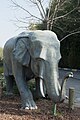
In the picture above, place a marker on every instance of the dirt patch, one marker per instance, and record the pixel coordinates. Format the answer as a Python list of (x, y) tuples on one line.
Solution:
[(10, 110)]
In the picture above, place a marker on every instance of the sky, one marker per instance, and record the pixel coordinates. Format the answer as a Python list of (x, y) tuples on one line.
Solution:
[(7, 16)]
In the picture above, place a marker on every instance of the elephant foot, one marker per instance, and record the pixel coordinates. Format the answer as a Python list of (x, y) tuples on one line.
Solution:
[(29, 105), (9, 94), (29, 108)]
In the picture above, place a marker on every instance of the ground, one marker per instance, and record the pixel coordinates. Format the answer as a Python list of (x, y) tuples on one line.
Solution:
[(10, 110)]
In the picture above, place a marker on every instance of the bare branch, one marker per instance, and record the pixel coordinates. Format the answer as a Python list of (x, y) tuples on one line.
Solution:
[(65, 14), (49, 14), (69, 35), (19, 6), (62, 16), (21, 21), (39, 10), (42, 7), (53, 16), (20, 27), (58, 27), (68, 12), (49, 9), (63, 3), (55, 12)]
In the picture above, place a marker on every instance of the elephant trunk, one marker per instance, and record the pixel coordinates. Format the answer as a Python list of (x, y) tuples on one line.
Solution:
[(53, 87), (48, 74), (56, 91)]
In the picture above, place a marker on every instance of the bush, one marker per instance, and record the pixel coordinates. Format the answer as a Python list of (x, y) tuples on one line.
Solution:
[(1, 70)]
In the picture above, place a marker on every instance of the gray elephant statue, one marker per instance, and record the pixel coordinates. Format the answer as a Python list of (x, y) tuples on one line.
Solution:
[(33, 54)]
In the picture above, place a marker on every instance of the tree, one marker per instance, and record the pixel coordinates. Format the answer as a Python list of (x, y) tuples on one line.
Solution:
[(30, 18), (55, 11), (68, 15), (61, 16), (66, 23), (69, 35)]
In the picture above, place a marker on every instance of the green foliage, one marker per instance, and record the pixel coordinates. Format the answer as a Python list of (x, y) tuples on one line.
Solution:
[(1, 70), (1, 53), (15, 88), (2, 78), (40, 26), (32, 26), (74, 54), (31, 84), (70, 50), (70, 47)]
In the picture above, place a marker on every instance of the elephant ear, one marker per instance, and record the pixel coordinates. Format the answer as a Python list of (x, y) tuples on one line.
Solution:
[(57, 50), (20, 52)]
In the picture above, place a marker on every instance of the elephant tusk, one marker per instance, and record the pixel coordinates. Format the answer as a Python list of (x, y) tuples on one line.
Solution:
[(41, 88)]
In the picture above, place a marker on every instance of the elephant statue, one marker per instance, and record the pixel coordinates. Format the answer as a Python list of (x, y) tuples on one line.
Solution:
[(33, 54)]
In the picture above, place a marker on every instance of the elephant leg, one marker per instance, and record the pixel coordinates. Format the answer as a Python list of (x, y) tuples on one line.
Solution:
[(26, 95), (37, 92), (9, 84)]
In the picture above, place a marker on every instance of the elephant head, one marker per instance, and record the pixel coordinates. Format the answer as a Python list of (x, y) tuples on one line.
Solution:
[(42, 49)]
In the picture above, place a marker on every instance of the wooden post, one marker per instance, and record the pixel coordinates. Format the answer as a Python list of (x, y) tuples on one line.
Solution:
[(1, 89), (54, 109), (71, 98)]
